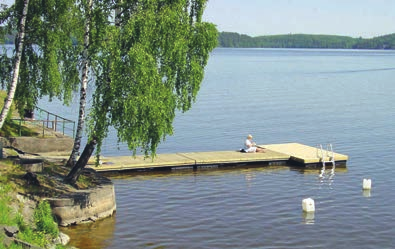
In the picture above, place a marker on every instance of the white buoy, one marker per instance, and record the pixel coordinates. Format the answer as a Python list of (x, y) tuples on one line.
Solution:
[(308, 205), (367, 184)]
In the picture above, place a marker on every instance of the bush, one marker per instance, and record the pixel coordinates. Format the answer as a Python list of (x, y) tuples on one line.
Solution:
[(5, 210), (5, 213), (45, 226), (32, 237), (44, 219)]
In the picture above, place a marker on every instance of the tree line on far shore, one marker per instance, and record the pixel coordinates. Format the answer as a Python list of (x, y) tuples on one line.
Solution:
[(236, 40)]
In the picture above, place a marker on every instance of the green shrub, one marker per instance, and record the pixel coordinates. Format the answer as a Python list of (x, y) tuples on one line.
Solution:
[(45, 226), (5, 210), (20, 222), (5, 213), (12, 246), (44, 219), (32, 237)]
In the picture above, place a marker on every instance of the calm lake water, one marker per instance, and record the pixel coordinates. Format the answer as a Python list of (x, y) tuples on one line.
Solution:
[(343, 97)]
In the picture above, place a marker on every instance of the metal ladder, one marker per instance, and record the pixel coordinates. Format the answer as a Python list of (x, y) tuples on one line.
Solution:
[(331, 159), (329, 153)]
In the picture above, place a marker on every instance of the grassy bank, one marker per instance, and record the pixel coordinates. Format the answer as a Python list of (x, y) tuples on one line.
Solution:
[(35, 223), (38, 229), (22, 204)]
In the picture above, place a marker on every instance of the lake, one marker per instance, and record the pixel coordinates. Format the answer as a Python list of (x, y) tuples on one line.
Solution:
[(343, 97)]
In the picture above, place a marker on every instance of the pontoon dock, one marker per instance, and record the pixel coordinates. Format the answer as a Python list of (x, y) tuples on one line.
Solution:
[(276, 154)]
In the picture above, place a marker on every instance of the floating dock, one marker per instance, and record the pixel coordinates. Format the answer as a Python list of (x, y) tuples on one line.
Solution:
[(275, 154)]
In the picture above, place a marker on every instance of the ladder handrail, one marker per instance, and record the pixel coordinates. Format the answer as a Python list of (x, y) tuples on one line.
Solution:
[(331, 158), (329, 153)]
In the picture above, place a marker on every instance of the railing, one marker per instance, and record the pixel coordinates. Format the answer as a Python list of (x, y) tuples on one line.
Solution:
[(48, 121)]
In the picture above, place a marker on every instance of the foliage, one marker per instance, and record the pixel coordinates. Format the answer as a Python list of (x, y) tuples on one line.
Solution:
[(229, 39), (44, 227), (12, 246), (381, 42), (30, 236), (44, 219), (5, 213), (13, 128), (85, 182), (150, 64), (147, 62), (49, 65)]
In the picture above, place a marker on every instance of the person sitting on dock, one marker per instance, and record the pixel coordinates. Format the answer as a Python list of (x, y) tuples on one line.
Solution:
[(250, 146)]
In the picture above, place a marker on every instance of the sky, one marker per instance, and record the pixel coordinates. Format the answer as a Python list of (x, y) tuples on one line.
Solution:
[(355, 18)]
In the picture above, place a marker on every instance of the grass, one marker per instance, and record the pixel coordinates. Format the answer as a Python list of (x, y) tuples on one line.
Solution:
[(44, 220), (13, 128), (5, 210), (44, 228)]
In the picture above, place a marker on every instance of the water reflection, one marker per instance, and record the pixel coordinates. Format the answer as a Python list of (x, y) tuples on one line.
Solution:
[(250, 177), (326, 176), (314, 171), (366, 193), (308, 218), (92, 235)]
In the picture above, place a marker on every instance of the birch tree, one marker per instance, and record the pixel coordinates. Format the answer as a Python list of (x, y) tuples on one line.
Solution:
[(84, 82), (150, 65), (19, 47), (49, 60)]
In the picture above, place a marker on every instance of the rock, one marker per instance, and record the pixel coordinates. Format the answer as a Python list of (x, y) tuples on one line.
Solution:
[(11, 231), (93, 218), (7, 241), (62, 239), (32, 165), (28, 206)]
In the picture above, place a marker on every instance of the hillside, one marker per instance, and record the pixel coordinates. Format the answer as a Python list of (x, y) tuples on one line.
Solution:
[(230, 39)]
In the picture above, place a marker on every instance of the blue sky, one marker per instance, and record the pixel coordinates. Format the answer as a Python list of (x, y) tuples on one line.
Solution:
[(365, 18)]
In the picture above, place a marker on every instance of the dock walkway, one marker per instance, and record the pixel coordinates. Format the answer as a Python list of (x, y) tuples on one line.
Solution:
[(276, 154)]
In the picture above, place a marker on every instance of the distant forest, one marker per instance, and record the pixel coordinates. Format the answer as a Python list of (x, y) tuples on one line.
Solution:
[(235, 40)]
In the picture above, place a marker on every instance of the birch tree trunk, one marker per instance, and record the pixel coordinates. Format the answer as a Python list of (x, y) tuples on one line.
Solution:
[(76, 171), (84, 82), (19, 49)]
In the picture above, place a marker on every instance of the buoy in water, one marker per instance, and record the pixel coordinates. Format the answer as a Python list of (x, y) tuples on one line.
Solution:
[(308, 205), (367, 184)]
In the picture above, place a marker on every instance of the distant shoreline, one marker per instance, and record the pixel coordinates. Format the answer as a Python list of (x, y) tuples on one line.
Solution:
[(236, 40)]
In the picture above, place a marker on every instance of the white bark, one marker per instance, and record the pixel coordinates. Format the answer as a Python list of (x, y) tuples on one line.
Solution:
[(18, 58), (84, 82)]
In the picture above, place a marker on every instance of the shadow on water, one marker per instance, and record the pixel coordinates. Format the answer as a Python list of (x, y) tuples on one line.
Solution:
[(199, 171), (328, 172)]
